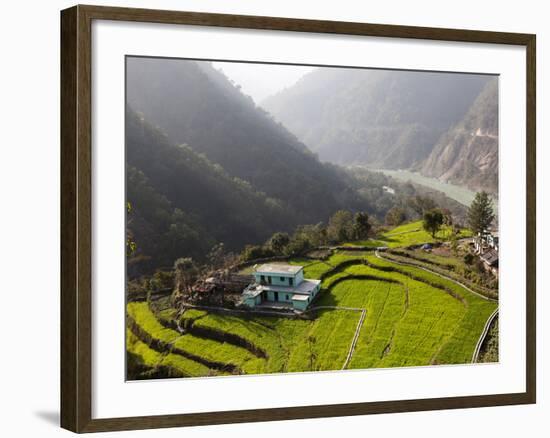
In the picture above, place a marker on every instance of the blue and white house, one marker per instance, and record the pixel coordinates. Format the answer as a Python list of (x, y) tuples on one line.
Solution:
[(281, 285)]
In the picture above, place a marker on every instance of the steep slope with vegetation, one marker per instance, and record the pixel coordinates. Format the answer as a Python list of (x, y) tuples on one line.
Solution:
[(380, 118), (178, 199), (468, 153), (195, 104)]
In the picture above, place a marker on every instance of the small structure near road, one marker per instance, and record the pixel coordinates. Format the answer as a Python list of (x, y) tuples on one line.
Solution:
[(219, 288), (280, 285), (486, 246), (485, 241), (490, 260)]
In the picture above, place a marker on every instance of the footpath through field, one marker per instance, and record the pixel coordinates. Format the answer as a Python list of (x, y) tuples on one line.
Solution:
[(354, 340), (387, 259)]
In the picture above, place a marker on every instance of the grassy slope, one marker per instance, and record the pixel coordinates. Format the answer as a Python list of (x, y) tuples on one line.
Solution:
[(460, 346), (409, 234), (410, 323)]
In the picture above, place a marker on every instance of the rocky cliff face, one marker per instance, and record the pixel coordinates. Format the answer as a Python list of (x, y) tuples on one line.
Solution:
[(468, 153)]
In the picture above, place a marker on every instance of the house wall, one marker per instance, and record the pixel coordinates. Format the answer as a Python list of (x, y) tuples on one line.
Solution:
[(282, 296), (279, 280), (250, 301), (300, 305)]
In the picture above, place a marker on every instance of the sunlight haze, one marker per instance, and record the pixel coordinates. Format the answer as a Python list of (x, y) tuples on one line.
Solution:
[(262, 80)]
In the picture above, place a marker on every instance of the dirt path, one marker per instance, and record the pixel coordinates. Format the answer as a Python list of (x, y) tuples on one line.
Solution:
[(354, 340), (483, 335), (377, 254)]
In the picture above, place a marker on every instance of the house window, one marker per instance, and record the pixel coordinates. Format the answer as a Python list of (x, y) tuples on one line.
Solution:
[(282, 279), (262, 278), (287, 297), (291, 281), (269, 280)]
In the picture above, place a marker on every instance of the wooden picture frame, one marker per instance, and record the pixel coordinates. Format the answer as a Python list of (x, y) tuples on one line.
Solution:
[(76, 217)]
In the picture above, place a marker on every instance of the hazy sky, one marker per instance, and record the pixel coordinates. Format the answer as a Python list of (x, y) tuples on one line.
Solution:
[(261, 80)]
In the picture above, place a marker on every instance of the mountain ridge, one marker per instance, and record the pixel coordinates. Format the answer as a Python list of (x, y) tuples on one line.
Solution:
[(380, 118)]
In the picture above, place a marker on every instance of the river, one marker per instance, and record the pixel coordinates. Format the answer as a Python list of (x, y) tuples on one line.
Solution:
[(458, 193)]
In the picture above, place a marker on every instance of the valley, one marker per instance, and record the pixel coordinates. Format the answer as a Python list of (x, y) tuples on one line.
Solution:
[(311, 231)]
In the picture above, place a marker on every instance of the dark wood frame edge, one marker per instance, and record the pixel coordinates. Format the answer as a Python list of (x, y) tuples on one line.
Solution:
[(76, 342)]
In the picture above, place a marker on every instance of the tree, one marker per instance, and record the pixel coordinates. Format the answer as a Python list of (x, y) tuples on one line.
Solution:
[(216, 256), (432, 221), (454, 244), (298, 246), (315, 234), (186, 274), (395, 216), (253, 252), (469, 259), (447, 216), (480, 213), (421, 204), (278, 242), (361, 226), (340, 226)]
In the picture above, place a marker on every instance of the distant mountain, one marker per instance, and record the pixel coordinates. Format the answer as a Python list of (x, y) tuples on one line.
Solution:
[(468, 153), (195, 104), (379, 118)]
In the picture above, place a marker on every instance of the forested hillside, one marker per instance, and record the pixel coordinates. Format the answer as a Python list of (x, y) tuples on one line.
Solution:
[(380, 118), (182, 204), (468, 153), (195, 104)]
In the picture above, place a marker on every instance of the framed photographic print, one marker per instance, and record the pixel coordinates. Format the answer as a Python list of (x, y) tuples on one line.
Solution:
[(270, 218)]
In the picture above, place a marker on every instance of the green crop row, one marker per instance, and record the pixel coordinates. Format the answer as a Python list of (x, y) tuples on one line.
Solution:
[(205, 348)]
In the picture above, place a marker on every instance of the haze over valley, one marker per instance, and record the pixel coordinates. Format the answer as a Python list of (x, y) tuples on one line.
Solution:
[(199, 149), (442, 125)]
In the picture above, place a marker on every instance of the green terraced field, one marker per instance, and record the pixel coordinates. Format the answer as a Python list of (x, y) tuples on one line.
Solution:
[(313, 269), (413, 318), (154, 359), (409, 234), (206, 348)]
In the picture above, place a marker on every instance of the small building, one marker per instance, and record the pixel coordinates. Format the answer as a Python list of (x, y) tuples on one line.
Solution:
[(492, 240), (485, 241), (490, 260), (280, 285), (486, 246)]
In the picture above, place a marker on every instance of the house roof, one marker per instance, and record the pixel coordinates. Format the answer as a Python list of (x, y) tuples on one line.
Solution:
[(298, 297), (276, 268), (490, 257)]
